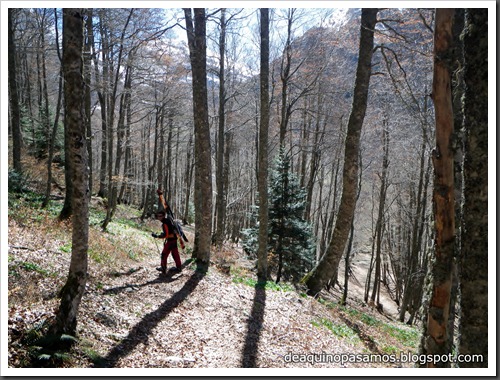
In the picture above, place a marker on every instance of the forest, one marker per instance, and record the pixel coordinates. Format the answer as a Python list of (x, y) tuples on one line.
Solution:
[(341, 154)]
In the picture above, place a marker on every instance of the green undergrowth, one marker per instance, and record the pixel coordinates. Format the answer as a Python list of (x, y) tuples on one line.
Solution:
[(129, 238), (126, 237), (351, 323), (241, 276), (38, 232), (45, 350), (16, 267), (338, 329)]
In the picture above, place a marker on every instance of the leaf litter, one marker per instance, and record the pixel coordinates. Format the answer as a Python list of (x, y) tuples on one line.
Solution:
[(133, 317)]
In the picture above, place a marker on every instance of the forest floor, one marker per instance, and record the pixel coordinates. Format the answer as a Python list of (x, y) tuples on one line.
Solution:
[(131, 316)]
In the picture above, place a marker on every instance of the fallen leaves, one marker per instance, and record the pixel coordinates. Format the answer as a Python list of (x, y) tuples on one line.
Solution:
[(132, 317)]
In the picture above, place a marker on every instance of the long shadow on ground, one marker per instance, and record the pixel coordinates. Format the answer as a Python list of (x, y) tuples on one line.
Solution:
[(255, 322), (168, 277), (365, 338), (141, 331)]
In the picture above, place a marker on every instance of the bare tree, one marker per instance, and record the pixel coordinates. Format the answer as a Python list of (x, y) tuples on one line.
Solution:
[(15, 119), (263, 142), (52, 136), (72, 292), (380, 223), (327, 266), (221, 190), (202, 157)]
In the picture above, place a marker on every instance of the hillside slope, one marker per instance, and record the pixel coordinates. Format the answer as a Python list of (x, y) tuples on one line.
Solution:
[(133, 317)]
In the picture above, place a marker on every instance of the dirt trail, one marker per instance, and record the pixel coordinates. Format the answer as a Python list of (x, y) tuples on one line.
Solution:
[(195, 320), (359, 267), (133, 317)]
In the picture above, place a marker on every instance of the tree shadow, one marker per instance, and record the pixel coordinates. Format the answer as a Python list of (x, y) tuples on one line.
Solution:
[(162, 278), (141, 331), (255, 322), (115, 273), (367, 340)]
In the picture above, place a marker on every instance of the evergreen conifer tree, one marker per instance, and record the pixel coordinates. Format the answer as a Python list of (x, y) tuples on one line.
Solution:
[(290, 238)]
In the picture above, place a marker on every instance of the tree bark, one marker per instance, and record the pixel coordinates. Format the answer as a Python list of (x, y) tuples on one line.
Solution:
[(263, 148), (72, 292), (285, 76), (347, 269), (103, 96), (379, 229), (221, 191), (56, 121), (188, 175), (474, 254), (87, 67), (203, 162), (416, 234), (14, 99), (437, 335), (317, 279)]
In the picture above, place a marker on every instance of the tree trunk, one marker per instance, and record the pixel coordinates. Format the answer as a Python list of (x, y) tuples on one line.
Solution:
[(381, 218), (169, 172), (203, 161), (263, 146), (436, 335), (188, 175), (87, 66), (14, 99), (458, 93), (128, 152), (102, 94), (228, 141), (45, 116), (220, 197), (285, 76), (72, 292), (160, 138), (416, 235), (56, 122), (148, 190), (315, 158), (347, 269), (328, 265), (474, 255)]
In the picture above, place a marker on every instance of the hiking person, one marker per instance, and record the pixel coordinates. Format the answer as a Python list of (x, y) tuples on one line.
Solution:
[(170, 244)]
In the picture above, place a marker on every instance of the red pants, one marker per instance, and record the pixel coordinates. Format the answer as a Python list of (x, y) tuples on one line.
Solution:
[(170, 246)]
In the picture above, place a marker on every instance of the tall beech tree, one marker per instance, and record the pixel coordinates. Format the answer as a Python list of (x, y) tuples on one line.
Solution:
[(263, 142), (327, 266), (15, 113), (72, 292), (52, 136), (220, 203), (196, 34)]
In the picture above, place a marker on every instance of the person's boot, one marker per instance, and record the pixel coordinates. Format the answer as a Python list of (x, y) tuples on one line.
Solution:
[(162, 269)]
